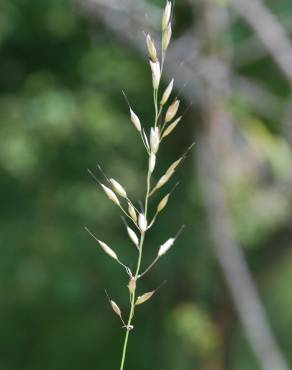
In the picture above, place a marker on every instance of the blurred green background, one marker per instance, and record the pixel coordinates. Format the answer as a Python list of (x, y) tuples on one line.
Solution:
[(61, 112)]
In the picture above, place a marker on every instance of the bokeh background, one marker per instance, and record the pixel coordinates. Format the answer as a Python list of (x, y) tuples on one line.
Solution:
[(63, 65)]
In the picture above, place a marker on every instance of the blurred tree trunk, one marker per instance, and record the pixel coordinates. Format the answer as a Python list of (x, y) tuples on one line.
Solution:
[(214, 140)]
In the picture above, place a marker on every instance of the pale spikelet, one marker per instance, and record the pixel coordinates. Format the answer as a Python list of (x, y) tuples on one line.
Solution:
[(132, 285), (167, 93), (151, 48), (163, 179), (135, 120), (170, 171), (144, 297), (166, 37), (152, 162), (108, 250), (156, 73), (111, 195), (133, 236), (172, 110), (132, 212), (165, 247), (154, 139), (163, 203), (166, 15), (173, 166), (118, 188), (171, 127), (142, 222), (116, 308), (104, 246)]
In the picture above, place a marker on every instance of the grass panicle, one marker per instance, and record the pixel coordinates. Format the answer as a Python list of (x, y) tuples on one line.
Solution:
[(164, 123)]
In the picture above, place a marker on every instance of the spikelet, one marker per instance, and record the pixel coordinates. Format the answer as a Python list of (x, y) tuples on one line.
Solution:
[(171, 127), (152, 162), (108, 250), (118, 188), (135, 120), (133, 236), (132, 212), (174, 165), (110, 194), (156, 73), (172, 110), (162, 204), (166, 37), (116, 308), (104, 246), (165, 247), (163, 180), (167, 93), (166, 15), (142, 222), (170, 171), (154, 139), (144, 297), (151, 49), (132, 285)]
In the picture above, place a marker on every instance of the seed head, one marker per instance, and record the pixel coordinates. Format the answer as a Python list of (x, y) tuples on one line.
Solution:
[(163, 179), (152, 162), (170, 171), (167, 93), (151, 49), (135, 120), (166, 37), (118, 188), (172, 110), (142, 222), (111, 195), (108, 250), (163, 203), (132, 285), (154, 139), (173, 166), (165, 247), (166, 15), (171, 127), (132, 212), (116, 308), (104, 246), (156, 73), (144, 297), (133, 236)]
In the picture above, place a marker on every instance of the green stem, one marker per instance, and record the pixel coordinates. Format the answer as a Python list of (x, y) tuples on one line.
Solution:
[(133, 295)]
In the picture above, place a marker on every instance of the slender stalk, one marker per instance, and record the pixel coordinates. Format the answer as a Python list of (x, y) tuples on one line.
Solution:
[(149, 267), (142, 239), (133, 295), (155, 94)]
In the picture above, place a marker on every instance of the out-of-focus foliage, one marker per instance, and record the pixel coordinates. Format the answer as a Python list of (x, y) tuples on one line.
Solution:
[(193, 330), (62, 111), (257, 177)]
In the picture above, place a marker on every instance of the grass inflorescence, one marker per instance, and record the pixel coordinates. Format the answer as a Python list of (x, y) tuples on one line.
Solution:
[(139, 222)]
